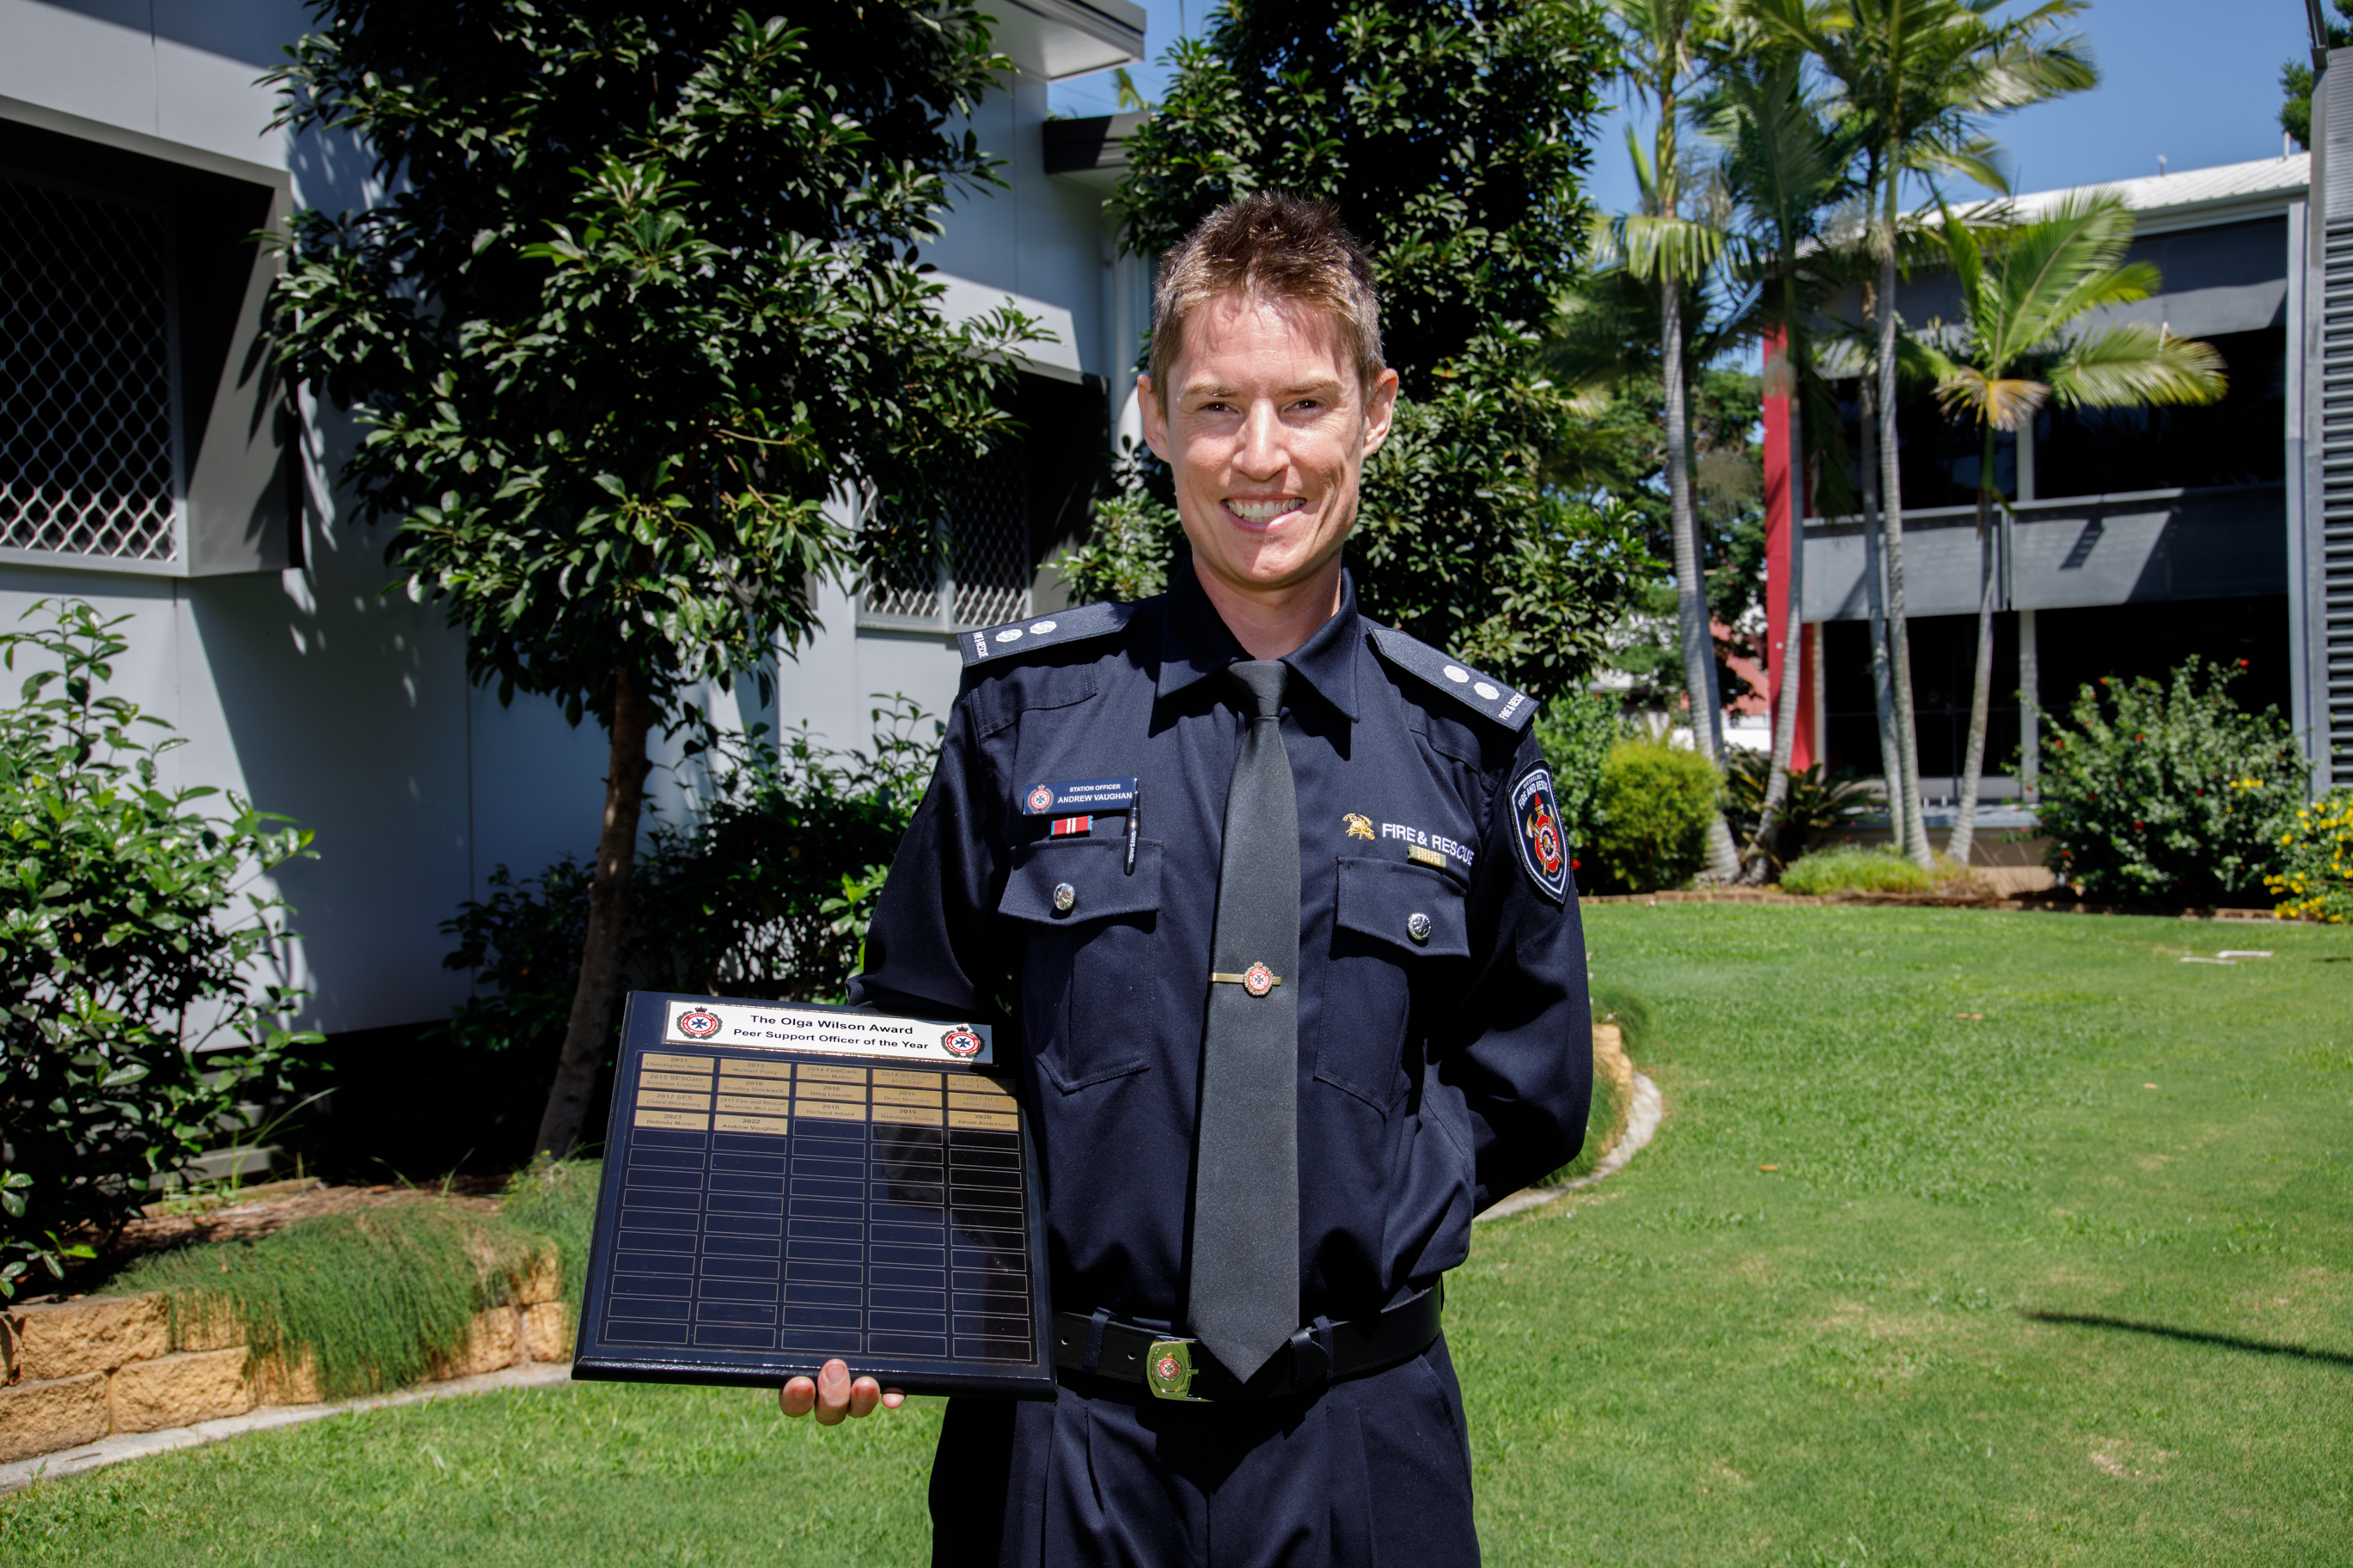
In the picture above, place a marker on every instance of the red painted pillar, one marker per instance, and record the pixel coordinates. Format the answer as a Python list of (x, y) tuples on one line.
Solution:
[(1806, 749)]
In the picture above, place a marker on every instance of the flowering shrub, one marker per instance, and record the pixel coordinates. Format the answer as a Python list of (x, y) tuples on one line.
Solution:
[(2316, 881), (2170, 792)]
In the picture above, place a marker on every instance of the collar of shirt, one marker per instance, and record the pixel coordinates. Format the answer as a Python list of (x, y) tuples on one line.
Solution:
[(1195, 642)]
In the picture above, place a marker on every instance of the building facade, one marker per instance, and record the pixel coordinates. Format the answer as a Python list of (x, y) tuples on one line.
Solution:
[(152, 464), (2134, 538)]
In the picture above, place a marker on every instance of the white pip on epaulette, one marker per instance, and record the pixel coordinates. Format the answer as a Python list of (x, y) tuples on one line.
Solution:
[(1042, 631), (1483, 694)]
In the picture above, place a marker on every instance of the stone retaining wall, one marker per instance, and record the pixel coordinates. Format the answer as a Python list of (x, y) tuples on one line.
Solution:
[(77, 1371)]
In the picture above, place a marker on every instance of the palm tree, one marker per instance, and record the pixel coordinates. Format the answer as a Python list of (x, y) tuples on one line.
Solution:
[(1786, 163), (1919, 78), (1666, 49), (2024, 291)]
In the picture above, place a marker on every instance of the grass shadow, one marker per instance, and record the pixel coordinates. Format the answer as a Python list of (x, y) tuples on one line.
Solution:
[(2192, 1336)]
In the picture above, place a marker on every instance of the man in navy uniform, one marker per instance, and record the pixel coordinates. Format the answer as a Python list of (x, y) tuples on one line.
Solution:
[(1271, 905)]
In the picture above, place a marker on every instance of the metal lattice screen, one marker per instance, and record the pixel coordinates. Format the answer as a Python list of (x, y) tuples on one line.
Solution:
[(989, 574), (86, 459)]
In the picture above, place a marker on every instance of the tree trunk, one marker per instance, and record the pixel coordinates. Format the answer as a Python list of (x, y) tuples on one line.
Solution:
[(1874, 587), (608, 910), (1762, 851), (1965, 823), (1691, 586), (1914, 836)]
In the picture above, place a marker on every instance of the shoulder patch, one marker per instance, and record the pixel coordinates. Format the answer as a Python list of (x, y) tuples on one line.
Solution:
[(1536, 832), (1483, 694), (1073, 625)]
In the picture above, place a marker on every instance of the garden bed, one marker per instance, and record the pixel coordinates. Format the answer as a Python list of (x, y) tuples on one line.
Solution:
[(296, 1296)]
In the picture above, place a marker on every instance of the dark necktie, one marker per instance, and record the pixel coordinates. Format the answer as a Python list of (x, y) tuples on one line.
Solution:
[(1244, 1287)]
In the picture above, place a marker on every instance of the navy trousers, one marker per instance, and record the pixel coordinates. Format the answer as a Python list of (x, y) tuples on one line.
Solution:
[(1373, 1471)]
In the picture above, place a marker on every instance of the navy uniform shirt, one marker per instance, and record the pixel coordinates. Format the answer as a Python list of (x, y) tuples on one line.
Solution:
[(1435, 1075)]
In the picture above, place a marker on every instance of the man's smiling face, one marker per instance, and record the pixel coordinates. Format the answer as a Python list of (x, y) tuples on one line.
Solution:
[(1267, 430)]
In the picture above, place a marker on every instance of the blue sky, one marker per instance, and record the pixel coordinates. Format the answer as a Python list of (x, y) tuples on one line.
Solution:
[(2195, 80)]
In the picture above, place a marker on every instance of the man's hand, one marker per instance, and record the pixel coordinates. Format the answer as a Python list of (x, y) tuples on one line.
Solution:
[(833, 1396)]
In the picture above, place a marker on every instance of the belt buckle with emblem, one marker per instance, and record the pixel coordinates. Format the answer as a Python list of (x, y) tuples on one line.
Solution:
[(1168, 1370)]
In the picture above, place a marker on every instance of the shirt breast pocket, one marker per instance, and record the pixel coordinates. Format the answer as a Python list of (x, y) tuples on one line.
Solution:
[(1087, 989), (1395, 928)]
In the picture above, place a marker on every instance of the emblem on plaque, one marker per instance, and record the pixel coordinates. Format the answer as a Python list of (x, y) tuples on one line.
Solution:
[(1359, 825), (1258, 980), (961, 1043), (699, 1024)]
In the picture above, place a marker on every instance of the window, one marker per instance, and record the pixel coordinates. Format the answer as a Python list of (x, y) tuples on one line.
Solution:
[(2239, 440), (981, 576), (90, 461)]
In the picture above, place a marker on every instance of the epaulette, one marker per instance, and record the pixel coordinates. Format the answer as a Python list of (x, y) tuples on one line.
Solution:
[(1073, 625), (1483, 694)]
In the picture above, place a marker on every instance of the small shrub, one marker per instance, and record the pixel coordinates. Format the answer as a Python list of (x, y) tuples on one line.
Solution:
[(131, 938), (1577, 730), (2170, 792), (2315, 881), (1128, 553), (1655, 802), (765, 893), (1852, 869), (1815, 806)]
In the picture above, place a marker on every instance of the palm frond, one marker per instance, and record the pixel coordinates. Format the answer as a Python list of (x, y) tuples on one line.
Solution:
[(1978, 158), (1667, 247), (2133, 363)]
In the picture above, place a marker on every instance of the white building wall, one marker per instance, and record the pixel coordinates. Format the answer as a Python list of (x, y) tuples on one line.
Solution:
[(312, 692)]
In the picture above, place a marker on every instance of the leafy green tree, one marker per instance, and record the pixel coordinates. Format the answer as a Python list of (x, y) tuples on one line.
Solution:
[(1452, 134), (134, 1017), (2024, 294), (1577, 731), (645, 295), (1453, 138), (1917, 81), (1665, 44), (1603, 346), (1786, 161), (2296, 80)]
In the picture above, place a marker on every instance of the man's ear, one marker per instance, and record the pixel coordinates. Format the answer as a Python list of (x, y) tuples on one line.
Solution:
[(1155, 419), (1380, 410)]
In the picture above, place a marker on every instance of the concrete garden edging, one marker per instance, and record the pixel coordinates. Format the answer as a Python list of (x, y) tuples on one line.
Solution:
[(1645, 1109), (120, 1446)]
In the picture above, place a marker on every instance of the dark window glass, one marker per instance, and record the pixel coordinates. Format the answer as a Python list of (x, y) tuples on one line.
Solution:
[(2240, 440)]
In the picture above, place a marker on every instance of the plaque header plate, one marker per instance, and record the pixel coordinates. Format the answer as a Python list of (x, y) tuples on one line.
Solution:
[(781, 1026)]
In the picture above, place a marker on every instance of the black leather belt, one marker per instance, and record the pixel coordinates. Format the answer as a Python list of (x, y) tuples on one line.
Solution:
[(1175, 1367)]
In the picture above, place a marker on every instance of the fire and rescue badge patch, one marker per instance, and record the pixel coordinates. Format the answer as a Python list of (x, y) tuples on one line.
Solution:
[(699, 1024), (961, 1043), (1536, 814)]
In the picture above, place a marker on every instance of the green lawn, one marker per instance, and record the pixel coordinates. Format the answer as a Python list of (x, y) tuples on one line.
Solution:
[(1999, 1302)]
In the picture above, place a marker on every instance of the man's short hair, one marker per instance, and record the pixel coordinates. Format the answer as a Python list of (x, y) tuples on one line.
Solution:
[(1282, 250)]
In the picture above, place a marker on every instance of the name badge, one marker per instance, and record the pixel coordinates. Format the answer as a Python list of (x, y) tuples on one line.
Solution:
[(1079, 795)]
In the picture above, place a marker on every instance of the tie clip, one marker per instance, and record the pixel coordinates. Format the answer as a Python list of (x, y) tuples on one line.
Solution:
[(1258, 979)]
